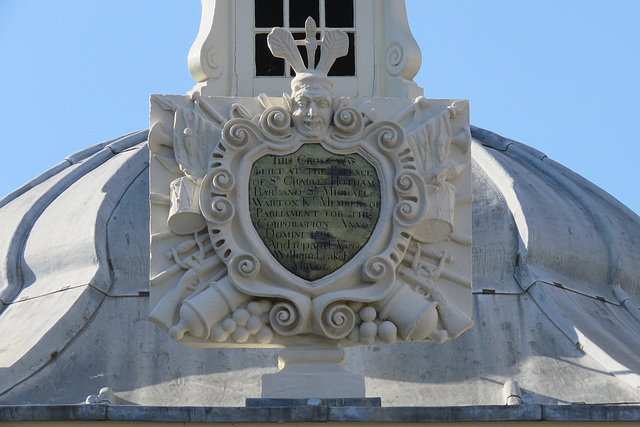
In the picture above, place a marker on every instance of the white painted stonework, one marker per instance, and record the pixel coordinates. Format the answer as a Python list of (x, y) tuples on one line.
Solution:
[(217, 281), (387, 59)]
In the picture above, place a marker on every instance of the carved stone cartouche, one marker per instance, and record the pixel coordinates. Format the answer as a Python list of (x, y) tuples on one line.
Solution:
[(322, 218)]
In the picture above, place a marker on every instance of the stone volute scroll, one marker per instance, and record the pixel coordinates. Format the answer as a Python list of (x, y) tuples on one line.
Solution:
[(310, 219)]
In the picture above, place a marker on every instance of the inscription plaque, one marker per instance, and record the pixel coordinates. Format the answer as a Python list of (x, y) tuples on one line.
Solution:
[(314, 210)]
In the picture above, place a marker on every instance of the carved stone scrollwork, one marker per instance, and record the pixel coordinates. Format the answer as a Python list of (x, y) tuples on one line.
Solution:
[(375, 269), (337, 320), (237, 133), (275, 124), (362, 155), (388, 135), (412, 208), (214, 65), (348, 123), (219, 210), (246, 265), (210, 57), (394, 59), (401, 53), (285, 318), (318, 222)]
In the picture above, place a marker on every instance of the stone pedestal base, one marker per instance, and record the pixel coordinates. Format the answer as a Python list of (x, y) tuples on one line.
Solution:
[(312, 373)]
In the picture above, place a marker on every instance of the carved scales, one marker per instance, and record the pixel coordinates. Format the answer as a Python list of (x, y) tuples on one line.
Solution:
[(309, 218)]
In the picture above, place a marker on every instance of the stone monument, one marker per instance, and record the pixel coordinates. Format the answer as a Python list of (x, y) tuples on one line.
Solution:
[(309, 221), (303, 222)]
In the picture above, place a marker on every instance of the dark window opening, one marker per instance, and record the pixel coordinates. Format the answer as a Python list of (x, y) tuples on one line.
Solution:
[(266, 63), (346, 66), (300, 10), (339, 13), (268, 13), (272, 13)]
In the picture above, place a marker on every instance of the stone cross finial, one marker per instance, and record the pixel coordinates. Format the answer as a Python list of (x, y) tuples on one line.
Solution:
[(310, 42), (334, 45)]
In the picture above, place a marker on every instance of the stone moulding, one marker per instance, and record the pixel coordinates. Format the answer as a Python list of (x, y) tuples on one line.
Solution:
[(221, 285), (541, 414)]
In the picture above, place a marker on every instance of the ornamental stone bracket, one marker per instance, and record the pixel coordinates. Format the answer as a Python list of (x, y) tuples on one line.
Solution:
[(309, 219)]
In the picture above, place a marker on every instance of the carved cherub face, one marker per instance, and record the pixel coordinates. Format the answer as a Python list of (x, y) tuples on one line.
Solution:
[(312, 109)]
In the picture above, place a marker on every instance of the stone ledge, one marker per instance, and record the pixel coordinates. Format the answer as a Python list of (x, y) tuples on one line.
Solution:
[(371, 402), (591, 412), (303, 414)]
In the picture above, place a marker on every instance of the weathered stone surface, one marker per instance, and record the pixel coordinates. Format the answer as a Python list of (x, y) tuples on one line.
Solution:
[(63, 263), (329, 413), (374, 402)]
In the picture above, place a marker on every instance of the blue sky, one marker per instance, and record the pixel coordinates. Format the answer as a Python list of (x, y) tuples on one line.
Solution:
[(562, 76)]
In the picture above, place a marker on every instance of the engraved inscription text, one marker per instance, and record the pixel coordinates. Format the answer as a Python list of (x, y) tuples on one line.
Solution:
[(314, 210)]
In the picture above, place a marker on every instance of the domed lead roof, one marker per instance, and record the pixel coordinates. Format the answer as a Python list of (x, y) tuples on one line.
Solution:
[(555, 276)]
